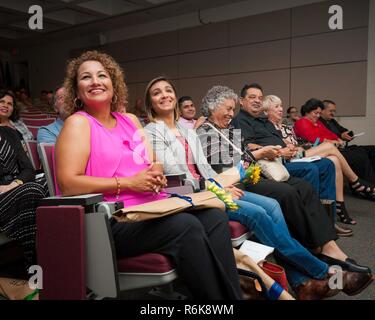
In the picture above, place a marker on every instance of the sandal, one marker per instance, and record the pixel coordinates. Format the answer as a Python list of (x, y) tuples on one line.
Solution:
[(343, 214), (363, 188), (270, 294)]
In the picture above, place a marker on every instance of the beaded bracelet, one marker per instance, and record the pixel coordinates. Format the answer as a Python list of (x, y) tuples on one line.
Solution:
[(118, 187)]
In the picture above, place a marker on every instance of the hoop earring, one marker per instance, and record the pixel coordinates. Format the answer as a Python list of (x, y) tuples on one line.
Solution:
[(114, 102), (80, 106)]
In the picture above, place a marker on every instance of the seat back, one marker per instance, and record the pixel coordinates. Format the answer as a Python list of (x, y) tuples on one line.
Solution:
[(33, 130), (25, 116), (31, 112), (38, 122), (33, 152), (46, 153)]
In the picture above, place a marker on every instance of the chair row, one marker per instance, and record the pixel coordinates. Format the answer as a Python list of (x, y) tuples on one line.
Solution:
[(37, 116), (76, 243), (38, 122)]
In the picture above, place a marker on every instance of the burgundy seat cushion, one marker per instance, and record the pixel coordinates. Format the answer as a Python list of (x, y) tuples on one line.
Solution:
[(149, 263), (237, 229)]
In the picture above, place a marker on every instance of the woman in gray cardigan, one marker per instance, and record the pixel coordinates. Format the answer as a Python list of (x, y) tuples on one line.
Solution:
[(180, 151)]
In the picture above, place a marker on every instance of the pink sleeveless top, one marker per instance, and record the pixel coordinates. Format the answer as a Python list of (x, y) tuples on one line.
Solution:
[(118, 152)]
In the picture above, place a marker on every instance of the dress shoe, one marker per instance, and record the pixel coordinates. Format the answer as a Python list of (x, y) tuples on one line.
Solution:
[(342, 231), (315, 290), (348, 265), (355, 282)]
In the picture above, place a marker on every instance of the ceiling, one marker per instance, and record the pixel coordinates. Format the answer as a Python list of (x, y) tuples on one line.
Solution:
[(61, 18)]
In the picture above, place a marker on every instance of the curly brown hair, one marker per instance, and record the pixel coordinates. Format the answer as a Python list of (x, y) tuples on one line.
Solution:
[(110, 65)]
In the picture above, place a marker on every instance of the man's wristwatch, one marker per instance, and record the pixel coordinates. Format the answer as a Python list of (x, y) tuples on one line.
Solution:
[(18, 181)]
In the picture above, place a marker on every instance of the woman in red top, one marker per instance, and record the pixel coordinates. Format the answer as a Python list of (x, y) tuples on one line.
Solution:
[(311, 129)]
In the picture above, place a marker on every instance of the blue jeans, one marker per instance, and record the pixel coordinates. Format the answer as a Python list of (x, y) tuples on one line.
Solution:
[(321, 174), (264, 217)]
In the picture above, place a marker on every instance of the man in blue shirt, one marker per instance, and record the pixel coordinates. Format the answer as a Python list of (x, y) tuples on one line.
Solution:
[(49, 134)]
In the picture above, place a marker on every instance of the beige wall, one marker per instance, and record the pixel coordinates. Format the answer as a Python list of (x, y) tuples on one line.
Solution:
[(48, 62), (366, 123), (292, 53)]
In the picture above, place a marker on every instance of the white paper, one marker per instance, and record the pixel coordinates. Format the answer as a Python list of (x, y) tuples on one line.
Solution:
[(358, 134), (307, 159), (255, 250)]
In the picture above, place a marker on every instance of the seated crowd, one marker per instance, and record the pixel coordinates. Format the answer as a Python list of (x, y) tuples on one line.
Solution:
[(101, 148)]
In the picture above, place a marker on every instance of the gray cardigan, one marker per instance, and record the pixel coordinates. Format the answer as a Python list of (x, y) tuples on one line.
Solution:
[(172, 154)]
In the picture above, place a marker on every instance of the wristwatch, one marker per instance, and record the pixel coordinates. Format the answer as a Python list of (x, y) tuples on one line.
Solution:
[(18, 181)]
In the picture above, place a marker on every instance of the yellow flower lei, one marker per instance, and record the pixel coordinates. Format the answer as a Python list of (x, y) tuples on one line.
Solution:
[(224, 196)]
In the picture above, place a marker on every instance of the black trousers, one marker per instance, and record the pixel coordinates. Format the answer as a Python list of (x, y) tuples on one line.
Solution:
[(370, 150), (305, 216), (199, 243), (362, 160)]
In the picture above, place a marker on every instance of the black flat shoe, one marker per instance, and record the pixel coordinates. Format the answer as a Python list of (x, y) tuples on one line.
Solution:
[(348, 265)]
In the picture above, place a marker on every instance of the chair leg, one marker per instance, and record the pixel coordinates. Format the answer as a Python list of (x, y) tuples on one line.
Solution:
[(167, 292)]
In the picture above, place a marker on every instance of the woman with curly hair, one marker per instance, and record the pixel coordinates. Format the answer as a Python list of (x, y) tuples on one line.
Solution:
[(101, 150)]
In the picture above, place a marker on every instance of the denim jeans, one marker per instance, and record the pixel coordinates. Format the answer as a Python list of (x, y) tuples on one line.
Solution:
[(321, 174), (264, 217)]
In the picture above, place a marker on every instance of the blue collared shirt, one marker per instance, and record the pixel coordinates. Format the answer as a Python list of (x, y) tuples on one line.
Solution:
[(49, 134)]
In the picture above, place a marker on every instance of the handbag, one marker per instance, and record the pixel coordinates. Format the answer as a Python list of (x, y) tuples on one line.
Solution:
[(274, 170), (276, 272), (269, 288), (172, 205)]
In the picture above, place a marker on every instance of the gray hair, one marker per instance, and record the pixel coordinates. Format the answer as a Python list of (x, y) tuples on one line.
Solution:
[(215, 97), (269, 101)]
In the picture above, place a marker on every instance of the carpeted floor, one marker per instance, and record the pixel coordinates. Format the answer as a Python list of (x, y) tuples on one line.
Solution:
[(361, 246)]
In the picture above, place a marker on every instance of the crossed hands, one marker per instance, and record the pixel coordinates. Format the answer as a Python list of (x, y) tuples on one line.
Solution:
[(289, 152), (151, 179)]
